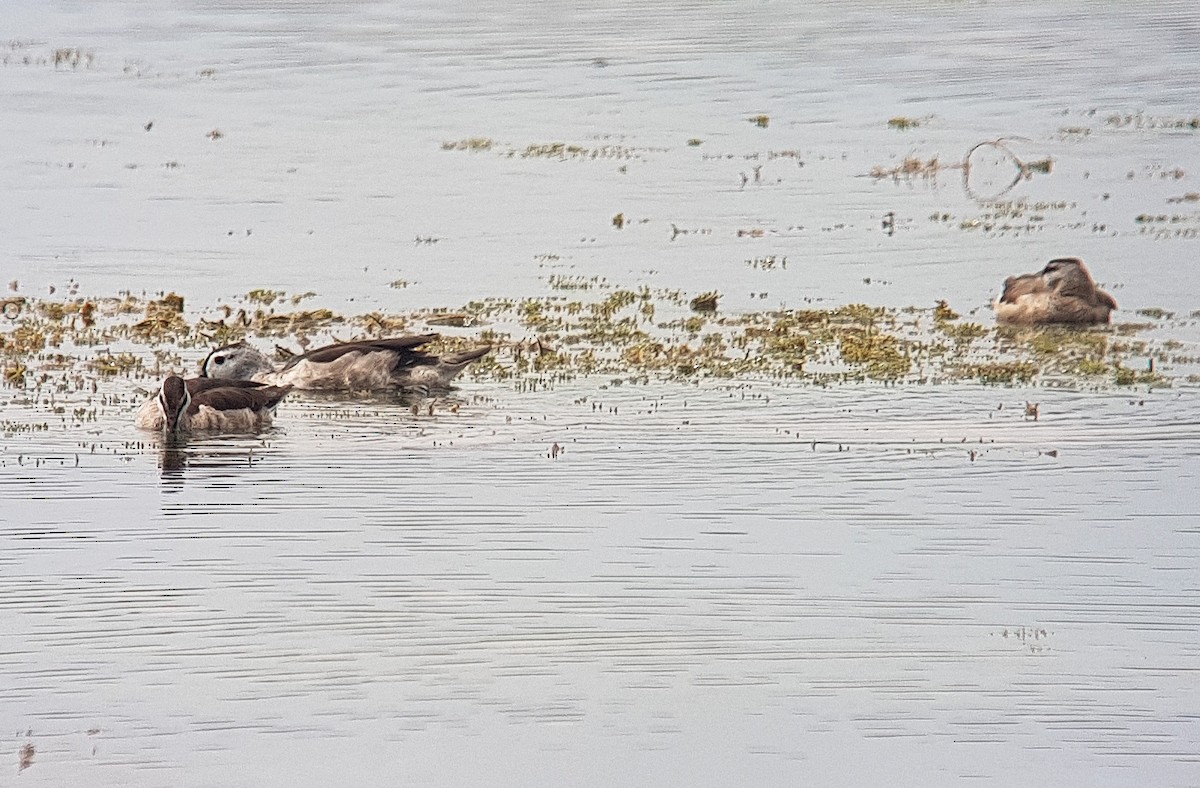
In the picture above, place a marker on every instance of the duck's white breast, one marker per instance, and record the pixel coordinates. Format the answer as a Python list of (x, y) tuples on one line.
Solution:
[(149, 415), (1030, 308)]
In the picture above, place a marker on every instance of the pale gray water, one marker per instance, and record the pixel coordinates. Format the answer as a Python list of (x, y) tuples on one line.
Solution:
[(745, 583)]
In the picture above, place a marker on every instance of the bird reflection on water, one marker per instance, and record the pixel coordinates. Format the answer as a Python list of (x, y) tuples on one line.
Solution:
[(177, 456)]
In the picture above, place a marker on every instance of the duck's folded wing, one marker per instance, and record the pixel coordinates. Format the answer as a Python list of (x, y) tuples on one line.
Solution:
[(1016, 287), (197, 385), (329, 353), (225, 398)]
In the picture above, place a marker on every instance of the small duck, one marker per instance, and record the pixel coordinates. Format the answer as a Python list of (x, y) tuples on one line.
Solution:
[(210, 405), (1062, 292), (365, 365)]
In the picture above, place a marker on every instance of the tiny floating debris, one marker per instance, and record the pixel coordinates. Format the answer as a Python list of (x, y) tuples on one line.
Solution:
[(470, 144), (454, 319), (26, 758), (705, 302), (903, 123)]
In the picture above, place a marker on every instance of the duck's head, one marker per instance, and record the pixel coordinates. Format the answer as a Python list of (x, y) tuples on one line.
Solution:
[(173, 400), (238, 361), (1068, 275)]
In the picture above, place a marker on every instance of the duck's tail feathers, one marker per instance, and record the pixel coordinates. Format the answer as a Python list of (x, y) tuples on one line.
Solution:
[(425, 379), (461, 360)]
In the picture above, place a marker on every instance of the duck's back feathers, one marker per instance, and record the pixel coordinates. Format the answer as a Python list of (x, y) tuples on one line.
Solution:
[(255, 398), (405, 349), (197, 385), (1017, 287)]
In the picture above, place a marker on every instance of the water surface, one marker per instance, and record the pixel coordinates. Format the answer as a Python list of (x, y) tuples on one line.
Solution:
[(742, 581)]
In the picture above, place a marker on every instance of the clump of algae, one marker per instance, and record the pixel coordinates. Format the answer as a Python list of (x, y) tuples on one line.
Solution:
[(617, 332)]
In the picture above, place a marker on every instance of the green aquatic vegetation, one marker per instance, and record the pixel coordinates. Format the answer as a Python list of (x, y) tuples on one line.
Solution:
[(264, 296), (562, 282), (1055, 341), (563, 151), (903, 123), (942, 312), (164, 318), (23, 340), (455, 319), (627, 334), (553, 150), (912, 167), (115, 364), (643, 354), (1141, 120), (1155, 313), (533, 316), (380, 324), (1007, 372), (614, 303), (880, 355), (1091, 366), (278, 323), (858, 313), (474, 144), (14, 373), (964, 333), (1126, 376), (218, 332)]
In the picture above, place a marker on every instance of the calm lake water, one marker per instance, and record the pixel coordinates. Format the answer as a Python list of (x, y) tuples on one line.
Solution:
[(746, 582)]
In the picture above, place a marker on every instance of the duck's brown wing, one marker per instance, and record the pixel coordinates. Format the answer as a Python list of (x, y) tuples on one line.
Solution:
[(404, 346), (238, 398), (1016, 287), (197, 385)]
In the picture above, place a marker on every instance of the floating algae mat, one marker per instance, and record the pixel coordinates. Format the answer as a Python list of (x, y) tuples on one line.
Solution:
[(611, 333)]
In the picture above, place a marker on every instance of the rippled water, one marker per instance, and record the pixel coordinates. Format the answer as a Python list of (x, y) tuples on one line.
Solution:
[(740, 583)]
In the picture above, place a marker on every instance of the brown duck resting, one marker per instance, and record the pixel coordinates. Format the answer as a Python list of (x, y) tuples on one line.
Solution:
[(1062, 292)]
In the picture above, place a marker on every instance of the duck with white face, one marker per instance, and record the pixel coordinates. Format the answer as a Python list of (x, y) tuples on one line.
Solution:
[(199, 404), (1062, 292), (397, 363)]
